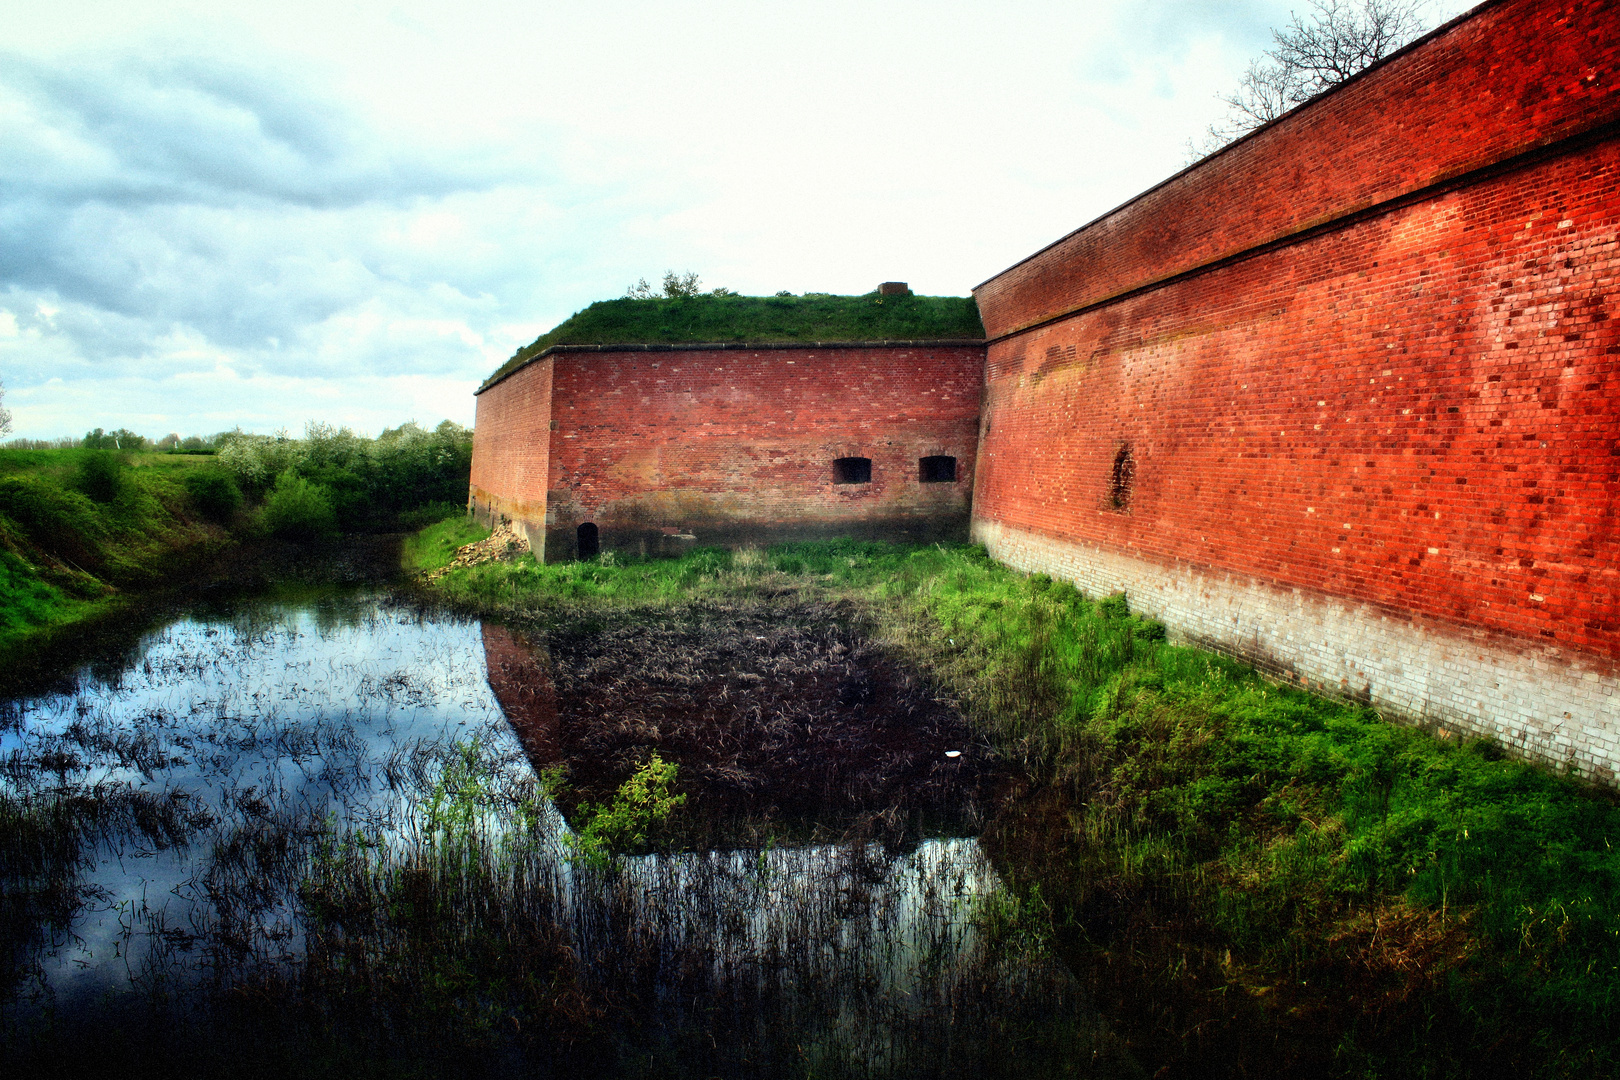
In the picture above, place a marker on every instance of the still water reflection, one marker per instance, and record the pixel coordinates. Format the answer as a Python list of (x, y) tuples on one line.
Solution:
[(178, 808), (275, 717)]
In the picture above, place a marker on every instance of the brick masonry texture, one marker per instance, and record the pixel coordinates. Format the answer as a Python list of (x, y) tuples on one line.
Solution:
[(1375, 447), (1342, 400), (664, 448), (511, 463)]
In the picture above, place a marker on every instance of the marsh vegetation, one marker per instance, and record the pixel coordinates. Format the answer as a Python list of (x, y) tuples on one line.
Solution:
[(787, 723), (1247, 877), (83, 529), (823, 810), (300, 836)]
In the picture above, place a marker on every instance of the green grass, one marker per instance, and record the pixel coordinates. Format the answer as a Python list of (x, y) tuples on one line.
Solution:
[(808, 318), (77, 528), (436, 545), (81, 529), (1448, 904)]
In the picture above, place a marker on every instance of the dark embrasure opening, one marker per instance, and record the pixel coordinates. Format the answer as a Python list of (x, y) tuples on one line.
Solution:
[(852, 470), (939, 469), (1119, 485)]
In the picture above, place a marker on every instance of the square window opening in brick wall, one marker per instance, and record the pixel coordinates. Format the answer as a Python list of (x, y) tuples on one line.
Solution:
[(852, 470), (939, 469)]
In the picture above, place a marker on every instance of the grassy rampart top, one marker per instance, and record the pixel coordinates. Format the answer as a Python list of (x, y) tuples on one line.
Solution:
[(813, 317)]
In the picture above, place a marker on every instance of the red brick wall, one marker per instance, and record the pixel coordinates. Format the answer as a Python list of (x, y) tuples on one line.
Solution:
[(736, 444), (1420, 411), (1517, 75), (512, 448)]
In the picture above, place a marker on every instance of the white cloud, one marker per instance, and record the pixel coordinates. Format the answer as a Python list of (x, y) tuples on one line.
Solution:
[(259, 215)]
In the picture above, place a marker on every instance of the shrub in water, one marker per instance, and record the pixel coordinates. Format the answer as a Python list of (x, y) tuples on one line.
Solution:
[(298, 510), (642, 804), (102, 475), (214, 493)]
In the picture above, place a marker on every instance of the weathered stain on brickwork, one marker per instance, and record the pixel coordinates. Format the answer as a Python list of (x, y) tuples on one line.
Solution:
[(1366, 367), (661, 449), (511, 462), (1547, 703)]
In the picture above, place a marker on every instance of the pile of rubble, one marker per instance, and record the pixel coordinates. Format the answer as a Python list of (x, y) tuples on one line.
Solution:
[(504, 543)]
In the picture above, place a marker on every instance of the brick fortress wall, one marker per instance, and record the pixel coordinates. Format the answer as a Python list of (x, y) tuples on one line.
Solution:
[(1344, 399), (662, 447), (511, 461)]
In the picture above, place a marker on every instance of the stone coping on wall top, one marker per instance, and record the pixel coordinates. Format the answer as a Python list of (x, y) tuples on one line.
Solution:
[(734, 346)]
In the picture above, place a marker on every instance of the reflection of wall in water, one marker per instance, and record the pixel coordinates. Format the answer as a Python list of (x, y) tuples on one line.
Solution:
[(306, 721)]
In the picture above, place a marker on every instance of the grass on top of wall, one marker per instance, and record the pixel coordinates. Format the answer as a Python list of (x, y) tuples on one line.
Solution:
[(1441, 907), (808, 318)]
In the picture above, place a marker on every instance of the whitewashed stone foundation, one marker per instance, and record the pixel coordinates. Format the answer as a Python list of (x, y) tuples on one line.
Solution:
[(1545, 703)]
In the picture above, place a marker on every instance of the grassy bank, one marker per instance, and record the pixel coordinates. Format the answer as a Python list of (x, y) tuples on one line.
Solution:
[(83, 527), (78, 528), (1260, 880), (437, 544)]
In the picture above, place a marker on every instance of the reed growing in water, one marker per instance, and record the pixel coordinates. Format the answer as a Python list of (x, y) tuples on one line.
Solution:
[(300, 839)]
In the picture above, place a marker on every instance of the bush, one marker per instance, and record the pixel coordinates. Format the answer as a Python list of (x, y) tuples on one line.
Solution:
[(45, 511), (122, 439), (102, 475), (368, 482), (256, 460), (298, 510), (214, 493), (628, 824)]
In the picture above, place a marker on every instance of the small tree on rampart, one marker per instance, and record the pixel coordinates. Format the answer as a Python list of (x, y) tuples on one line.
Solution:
[(676, 287)]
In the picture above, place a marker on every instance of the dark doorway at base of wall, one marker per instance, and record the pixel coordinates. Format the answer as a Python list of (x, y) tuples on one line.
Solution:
[(590, 544)]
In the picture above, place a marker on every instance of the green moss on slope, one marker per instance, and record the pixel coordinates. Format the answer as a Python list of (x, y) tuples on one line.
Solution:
[(765, 319)]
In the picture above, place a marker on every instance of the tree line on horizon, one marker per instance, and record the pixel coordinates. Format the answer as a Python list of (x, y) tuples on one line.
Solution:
[(331, 480)]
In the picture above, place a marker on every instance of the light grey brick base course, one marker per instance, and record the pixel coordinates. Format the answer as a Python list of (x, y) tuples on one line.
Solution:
[(1543, 702)]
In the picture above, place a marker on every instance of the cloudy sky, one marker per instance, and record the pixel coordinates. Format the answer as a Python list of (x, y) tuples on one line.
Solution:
[(352, 212)]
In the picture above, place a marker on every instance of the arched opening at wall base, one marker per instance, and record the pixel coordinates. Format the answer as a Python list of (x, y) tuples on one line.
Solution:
[(588, 541)]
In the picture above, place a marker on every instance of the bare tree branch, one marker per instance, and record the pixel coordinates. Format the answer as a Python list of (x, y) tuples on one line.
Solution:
[(1343, 38), (1308, 57)]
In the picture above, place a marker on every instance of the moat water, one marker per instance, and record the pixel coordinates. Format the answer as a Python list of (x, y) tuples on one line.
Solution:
[(174, 806)]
